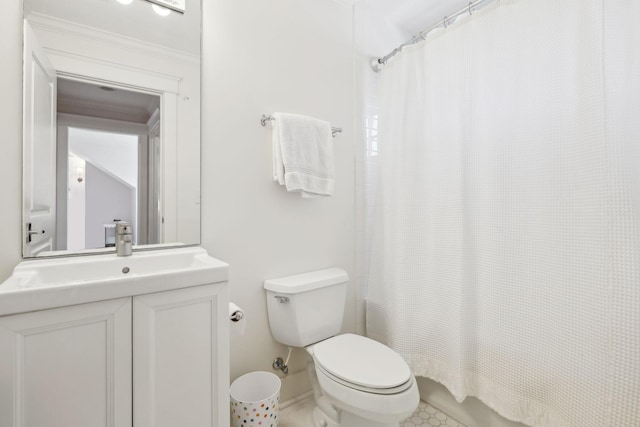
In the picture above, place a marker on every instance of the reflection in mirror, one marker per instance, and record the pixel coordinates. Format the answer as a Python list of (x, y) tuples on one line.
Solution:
[(111, 124), (108, 158)]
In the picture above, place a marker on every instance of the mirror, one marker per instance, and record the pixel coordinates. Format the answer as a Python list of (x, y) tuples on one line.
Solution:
[(111, 124)]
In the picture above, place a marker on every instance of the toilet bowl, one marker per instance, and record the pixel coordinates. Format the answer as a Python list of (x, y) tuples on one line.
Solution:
[(357, 382), (368, 382)]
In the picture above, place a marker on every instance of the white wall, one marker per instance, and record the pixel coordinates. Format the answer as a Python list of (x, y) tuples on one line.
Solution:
[(11, 125), (261, 57), (115, 153)]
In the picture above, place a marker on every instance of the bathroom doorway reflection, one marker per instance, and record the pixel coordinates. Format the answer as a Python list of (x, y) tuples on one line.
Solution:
[(108, 165), (102, 186)]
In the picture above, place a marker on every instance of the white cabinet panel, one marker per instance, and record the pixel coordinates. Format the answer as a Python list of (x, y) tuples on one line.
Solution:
[(76, 366), (180, 370), (67, 367)]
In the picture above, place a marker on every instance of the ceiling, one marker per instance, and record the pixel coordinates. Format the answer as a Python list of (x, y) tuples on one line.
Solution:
[(182, 32), (414, 16), (108, 103), (136, 20)]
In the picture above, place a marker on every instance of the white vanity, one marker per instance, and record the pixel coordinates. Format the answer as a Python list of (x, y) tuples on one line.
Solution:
[(115, 341)]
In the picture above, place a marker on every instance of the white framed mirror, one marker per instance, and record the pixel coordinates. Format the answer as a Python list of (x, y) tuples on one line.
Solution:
[(111, 124)]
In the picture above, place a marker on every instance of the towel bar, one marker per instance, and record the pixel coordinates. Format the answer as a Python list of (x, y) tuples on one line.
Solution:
[(266, 117)]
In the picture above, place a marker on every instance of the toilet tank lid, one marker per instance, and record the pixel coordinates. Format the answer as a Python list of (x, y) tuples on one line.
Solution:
[(306, 281)]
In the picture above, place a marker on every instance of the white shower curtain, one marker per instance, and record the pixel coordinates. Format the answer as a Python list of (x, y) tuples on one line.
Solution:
[(506, 248)]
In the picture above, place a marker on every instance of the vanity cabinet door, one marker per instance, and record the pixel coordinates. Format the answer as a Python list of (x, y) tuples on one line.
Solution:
[(67, 367), (180, 358)]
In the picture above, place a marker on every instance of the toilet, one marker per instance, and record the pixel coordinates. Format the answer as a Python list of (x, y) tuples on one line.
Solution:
[(357, 382)]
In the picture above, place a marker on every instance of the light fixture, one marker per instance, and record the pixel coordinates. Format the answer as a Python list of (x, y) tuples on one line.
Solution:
[(162, 11), (164, 7), (125, 1)]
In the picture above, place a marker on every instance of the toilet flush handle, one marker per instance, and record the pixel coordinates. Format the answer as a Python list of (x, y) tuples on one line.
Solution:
[(282, 299)]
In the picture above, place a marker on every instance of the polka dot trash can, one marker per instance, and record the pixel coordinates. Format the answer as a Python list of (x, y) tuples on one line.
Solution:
[(255, 398)]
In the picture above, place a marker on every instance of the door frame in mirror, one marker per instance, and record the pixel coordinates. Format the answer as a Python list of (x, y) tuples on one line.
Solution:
[(64, 181)]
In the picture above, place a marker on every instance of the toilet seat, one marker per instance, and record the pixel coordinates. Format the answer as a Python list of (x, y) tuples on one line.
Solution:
[(362, 364), (392, 390)]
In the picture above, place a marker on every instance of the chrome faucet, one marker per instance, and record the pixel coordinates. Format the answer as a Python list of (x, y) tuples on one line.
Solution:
[(124, 238)]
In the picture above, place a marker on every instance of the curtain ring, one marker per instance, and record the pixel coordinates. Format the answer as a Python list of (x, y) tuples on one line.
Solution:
[(446, 22), (470, 8)]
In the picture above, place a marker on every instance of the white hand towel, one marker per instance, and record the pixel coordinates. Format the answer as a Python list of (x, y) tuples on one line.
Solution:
[(303, 154)]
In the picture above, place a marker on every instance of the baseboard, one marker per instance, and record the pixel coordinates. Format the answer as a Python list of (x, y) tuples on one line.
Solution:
[(293, 401)]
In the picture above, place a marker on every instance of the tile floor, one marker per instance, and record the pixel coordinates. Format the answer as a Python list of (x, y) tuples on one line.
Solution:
[(426, 415), (299, 415)]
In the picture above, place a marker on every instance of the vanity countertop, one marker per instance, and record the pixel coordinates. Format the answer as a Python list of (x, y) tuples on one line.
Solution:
[(56, 282)]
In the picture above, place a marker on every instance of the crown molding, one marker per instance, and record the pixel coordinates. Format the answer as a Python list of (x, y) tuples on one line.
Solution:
[(50, 24)]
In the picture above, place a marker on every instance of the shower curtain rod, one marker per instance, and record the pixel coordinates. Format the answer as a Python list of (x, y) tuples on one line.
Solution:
[(378, 63)]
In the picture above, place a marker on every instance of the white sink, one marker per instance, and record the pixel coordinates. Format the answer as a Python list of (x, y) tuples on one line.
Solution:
[(57, 282)]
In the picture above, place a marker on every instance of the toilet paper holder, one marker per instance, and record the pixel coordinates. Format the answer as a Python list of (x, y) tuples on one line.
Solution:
[(236, 316)]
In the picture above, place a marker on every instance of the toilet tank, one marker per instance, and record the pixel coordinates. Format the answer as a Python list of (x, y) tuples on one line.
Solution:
[(306, 308)]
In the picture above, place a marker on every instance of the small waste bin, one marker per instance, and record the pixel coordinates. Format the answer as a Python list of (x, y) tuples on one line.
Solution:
[(255, 398)]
